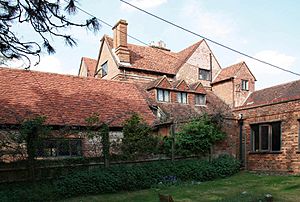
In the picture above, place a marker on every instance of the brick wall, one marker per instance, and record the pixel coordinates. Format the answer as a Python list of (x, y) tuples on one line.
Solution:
[(224, 91), (241, 95), (288, 159), (199, 59), (230, 91)]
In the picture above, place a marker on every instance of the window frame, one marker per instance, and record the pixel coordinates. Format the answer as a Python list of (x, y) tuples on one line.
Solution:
[(105, 64), (270, 137), (199, 104), (208, 75), (163, 95), (55, 150), (245, 85), (180, 97)]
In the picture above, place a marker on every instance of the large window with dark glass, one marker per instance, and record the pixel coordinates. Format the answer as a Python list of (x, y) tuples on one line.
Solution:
[(182, 97), (266, 137), (245, 85), (204, 74), (163, 95), (59, 147), (200, 99), (104, 68)]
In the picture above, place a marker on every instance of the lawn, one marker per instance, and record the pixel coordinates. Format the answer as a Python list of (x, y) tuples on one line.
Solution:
[(243, 186)]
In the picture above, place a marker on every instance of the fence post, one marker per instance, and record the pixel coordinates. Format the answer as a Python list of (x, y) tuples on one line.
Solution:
[(105, 143), (173, 142)]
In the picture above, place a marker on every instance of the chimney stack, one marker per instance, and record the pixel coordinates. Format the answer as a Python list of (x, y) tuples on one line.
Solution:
[(120, 41)]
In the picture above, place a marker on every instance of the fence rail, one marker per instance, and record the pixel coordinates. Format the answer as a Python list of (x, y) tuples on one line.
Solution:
[(21, 173)]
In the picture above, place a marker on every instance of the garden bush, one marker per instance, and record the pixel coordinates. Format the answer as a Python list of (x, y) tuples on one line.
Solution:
[(120, 178)]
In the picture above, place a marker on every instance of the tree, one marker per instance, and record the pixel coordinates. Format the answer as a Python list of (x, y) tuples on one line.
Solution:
[(32, 131), (99, 132), (47, 18), (138, 139), (197, 136)]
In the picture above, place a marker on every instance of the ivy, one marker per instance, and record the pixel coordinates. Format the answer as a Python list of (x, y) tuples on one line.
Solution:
[(197, 136), (98, 130), (138, 139)]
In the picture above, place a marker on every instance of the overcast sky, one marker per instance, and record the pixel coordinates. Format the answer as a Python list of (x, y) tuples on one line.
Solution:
[(266, 29)]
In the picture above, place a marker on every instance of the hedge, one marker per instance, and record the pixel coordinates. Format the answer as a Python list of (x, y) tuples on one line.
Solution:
[(120, 178)]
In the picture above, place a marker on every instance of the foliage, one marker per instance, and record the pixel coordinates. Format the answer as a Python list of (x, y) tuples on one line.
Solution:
[(104, 131), (119, 178), (242, 187), (138, 139), (47, 18), (32, 131), (197, 136), (99, 131)]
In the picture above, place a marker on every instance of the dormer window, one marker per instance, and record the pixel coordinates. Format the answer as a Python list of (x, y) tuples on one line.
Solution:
[(163, 95), (200, 99), (182, 97), (104, 69), (204, 74), (245, 85)]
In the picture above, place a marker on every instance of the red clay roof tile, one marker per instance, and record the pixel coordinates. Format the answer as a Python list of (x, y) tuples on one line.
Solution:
[(90, 65), (156, 60), (67, 100), (279, 93)]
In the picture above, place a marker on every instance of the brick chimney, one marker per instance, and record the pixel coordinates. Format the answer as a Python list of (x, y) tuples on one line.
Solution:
[(120, 41)]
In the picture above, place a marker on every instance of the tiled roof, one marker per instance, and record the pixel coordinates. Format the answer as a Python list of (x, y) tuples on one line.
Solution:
[(185, 112), (155, 59), (67, 100), (275, 94), (90, 65), (228, 72)]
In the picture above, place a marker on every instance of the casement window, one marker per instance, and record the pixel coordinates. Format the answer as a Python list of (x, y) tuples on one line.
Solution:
[(200, 99), (266, 137), (204, 74), (59, 147), (104, 69), (182, 97), (163, 95), (245, 85)]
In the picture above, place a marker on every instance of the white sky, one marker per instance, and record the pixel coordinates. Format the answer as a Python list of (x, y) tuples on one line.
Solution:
[(267, 30)]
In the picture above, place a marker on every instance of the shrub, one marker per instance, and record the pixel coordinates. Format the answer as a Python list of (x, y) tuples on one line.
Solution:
[(121, 178), (197, 136), (138, 139)]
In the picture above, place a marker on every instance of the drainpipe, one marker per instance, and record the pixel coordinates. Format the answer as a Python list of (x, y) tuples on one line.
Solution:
[(210, 65), (241, 123)]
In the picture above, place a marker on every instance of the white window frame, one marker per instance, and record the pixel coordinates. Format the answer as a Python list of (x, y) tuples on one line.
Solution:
[(196, 98), (165, 95), (182, 97), (245, 85)]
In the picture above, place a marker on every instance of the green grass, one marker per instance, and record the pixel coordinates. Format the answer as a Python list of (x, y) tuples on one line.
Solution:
[(240, 187)]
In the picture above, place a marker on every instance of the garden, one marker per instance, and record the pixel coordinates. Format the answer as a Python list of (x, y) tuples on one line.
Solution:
[(187, 171)]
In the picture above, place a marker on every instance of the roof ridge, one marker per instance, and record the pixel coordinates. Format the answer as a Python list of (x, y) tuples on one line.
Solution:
[(64, 75), (278, 85), (239, 63)]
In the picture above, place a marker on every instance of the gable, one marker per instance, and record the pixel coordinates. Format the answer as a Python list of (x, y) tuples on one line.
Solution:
[(164, 83), (198, 88), (182, 85), (244, 72), (202, 57), (106, 55)]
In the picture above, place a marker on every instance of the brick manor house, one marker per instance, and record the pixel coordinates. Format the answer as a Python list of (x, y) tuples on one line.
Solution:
[(165, 88)]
